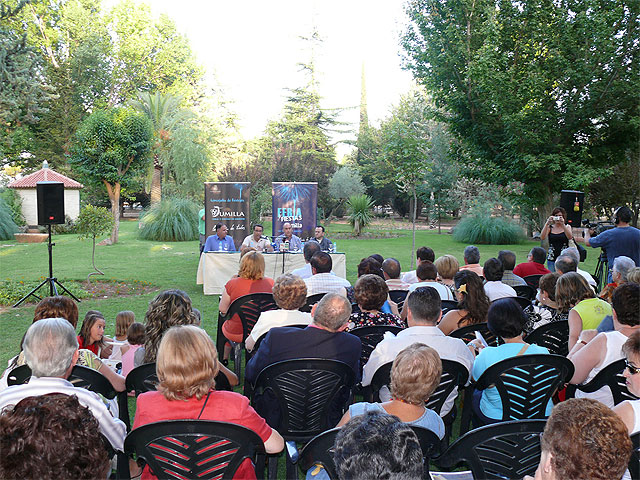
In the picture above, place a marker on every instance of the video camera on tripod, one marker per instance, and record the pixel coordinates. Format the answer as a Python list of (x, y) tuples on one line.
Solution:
[(597, 227), (602, 267)]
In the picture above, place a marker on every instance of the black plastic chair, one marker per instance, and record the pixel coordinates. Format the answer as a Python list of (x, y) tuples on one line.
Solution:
[(398, 296), (525, 291), (532, 280), (553, 336), (311, 301), (526, 384), (610, 376), (454, 375), (468, 333), (523, 302), (306, 390), (634, 461), (497, 451), (319, 450), (370, 337), (248, 308), (448, 305), (144, 379), (195, 449)]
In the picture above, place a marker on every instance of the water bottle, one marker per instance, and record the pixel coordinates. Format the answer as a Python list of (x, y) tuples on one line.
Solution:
[(334, 247), (286, 246), (219, 246)]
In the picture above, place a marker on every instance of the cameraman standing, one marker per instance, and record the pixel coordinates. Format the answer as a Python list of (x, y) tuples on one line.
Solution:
[(622, 240)]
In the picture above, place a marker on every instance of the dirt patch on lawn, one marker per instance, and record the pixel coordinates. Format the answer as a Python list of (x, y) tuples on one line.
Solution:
[(101, 289)]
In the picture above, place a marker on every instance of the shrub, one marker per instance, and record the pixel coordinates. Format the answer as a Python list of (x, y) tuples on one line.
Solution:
[(14, 202), (68, 226), (484, 229), (171, 220), (7, 226), (360, 215)]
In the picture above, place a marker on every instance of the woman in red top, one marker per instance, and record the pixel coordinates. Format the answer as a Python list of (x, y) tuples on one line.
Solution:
[(92, 334), (250, 279), (187, 364)]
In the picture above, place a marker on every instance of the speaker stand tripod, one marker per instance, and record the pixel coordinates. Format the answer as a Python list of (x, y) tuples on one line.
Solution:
[(50, 280)]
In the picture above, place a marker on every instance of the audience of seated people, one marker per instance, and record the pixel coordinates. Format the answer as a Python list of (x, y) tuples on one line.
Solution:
[(494, 287), (508, 259), (124, 320), (324, 338), (424, 312), (583, 439), (250, 280), (136, 335), (91, 336), (427, 274), (629, 410), (534, 264), (506, 320), (186, 365), (447, 267), (51, 351), (377, 445), (546, 308), (322, 280), (51, 436), (574, 295), (566, 264), (472, 260), (473, 303), (575, 254), (289, 293), (309, 249), (371, 292), (391, 270), (619, 274), (594, 351), (423, 255), (64, 307)]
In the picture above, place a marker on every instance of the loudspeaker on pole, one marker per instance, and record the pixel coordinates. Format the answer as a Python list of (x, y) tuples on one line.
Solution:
[(573, 202), (50, 203)]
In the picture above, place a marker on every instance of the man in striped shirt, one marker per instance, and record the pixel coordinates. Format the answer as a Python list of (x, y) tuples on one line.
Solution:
[(51, 351)]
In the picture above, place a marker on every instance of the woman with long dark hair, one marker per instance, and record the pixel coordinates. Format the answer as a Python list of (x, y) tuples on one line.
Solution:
[(473, 303)]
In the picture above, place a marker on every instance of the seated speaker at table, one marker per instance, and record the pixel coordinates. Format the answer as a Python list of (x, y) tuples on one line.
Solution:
[(220, 242), (295, 244)]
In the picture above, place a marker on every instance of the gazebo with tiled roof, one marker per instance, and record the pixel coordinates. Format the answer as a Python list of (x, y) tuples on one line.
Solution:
[(26, 188)]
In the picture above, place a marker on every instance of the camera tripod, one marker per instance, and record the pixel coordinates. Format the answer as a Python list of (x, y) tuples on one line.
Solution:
[(50, 280), (601, 274)]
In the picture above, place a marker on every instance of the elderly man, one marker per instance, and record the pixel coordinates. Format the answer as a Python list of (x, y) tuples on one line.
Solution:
[(256, 242), (295, 244), (575, 254), (220, 242), (424, 313), (309, 250), (534, 264), (423, 255), (51, 351), (472, 260), (325, 243), (322, 280), (508, 259), (566, 264), (391, 271), (324, 338)]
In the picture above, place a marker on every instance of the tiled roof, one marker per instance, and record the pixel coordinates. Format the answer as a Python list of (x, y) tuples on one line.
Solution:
[(45, 175)]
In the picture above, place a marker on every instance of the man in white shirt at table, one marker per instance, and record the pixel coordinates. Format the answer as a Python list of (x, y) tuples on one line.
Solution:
[(256, 241), (425, 311)]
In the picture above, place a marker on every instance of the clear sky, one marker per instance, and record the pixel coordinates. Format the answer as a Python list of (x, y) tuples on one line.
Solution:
[(252, 47)]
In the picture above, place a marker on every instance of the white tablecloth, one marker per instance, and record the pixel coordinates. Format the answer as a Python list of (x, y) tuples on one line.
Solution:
[(216, 268)]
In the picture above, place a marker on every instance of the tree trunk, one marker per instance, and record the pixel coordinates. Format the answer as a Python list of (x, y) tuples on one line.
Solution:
[(156, 181), (114, 198), (544, 210), (413, 214)]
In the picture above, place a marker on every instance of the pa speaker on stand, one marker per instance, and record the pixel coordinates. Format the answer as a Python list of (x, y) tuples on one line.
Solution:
[(573, 202), (50, 212)]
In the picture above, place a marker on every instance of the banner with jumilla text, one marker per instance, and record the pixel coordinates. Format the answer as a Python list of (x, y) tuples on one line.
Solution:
[(228, 203)]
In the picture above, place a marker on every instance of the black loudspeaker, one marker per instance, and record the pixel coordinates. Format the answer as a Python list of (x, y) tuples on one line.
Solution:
[(50, 203), (573, 202)]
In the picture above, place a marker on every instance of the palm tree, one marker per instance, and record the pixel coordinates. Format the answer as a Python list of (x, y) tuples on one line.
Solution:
[(164, 112)]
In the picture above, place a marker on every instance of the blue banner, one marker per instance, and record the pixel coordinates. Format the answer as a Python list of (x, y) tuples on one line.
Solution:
[(228, 203), (295, 203)]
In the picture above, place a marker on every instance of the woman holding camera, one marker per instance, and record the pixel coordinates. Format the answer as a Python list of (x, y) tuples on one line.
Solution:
[(559, 234)]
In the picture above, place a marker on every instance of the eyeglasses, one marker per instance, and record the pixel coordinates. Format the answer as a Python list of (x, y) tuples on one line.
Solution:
[(632, 368)]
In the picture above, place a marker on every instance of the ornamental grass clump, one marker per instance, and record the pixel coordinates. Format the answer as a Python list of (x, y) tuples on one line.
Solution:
[(485, 229), (171, 220), (7, 226)]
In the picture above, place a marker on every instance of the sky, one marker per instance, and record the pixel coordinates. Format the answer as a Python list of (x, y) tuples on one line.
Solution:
[(253, 47)]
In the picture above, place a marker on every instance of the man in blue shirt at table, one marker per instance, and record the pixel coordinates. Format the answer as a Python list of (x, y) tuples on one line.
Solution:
[(220, 242)]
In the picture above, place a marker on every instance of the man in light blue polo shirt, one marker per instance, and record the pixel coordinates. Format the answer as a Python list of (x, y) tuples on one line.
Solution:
[(220, 242)]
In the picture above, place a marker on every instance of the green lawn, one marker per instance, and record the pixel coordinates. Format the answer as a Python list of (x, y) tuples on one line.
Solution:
[(174, 265)]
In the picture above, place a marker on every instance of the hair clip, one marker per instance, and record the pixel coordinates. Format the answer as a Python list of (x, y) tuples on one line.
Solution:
[(462, 288)]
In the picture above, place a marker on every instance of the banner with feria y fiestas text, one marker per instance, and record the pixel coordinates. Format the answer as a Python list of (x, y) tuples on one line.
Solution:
[(228, 203), (295, 203)]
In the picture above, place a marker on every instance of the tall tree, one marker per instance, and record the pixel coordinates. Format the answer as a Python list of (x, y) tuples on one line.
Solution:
[(110, 147), (539, 91)]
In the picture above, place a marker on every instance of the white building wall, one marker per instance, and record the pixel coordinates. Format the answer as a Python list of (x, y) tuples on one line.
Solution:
[(72, 203)]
